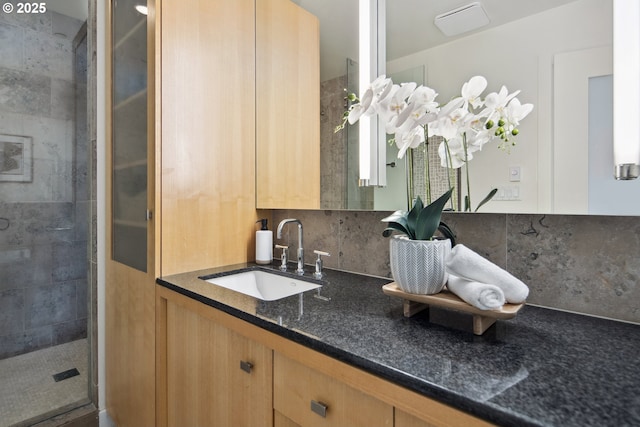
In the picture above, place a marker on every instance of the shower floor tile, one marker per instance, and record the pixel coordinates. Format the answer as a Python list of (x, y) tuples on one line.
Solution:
[(27, 385)]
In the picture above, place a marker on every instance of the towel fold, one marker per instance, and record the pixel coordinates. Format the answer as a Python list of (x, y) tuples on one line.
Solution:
[(479, 295), (465, 263)]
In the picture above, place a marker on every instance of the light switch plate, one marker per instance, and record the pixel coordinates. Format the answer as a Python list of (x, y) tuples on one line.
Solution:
[(515, 174)]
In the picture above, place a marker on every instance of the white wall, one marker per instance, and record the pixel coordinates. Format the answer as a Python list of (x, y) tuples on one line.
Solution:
[(509, 55)]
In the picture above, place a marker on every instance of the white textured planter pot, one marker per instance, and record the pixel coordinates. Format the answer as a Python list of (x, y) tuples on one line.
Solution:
[(417, 266)]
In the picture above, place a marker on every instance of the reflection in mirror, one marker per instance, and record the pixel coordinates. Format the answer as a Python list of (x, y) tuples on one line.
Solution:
[(518, 48)]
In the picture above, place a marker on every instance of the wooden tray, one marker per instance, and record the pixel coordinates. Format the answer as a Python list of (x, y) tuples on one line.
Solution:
[(482, 319)]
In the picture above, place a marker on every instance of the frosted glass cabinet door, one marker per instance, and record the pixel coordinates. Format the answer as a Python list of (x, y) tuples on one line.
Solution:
[(129, 131)]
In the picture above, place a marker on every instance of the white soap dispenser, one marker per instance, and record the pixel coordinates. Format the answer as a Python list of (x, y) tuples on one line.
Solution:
[(264, 243)]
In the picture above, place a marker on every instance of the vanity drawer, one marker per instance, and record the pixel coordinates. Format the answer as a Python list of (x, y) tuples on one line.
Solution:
[(310, 398)]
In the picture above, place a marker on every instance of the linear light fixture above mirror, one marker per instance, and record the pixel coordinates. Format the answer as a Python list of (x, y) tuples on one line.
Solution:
[(372, 60), (626, 89)]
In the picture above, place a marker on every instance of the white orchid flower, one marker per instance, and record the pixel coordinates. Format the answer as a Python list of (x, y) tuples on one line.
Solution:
[(425, 97), (495, 103), (472, 90), (516, 111), (377, 90), (395, 102), (411, 139), (381, 87), (477, 139), (363, 108), (450, 125), (452, 153)]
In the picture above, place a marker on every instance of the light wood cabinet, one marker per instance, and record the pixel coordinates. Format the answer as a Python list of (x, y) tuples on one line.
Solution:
[(287, 106), (200, 382), (195, 157), (404, 419), (309, 398), (430, 416), (195, 76), (212, 376)]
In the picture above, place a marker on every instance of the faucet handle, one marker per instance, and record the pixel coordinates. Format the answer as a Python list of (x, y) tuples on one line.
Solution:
[(318, 273), (283, 257)]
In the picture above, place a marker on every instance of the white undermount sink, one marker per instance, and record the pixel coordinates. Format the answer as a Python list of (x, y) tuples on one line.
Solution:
[(263, 285)]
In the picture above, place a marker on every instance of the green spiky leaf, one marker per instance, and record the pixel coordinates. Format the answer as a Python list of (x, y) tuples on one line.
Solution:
[(486, 199), (414, 213), (429, 219), (447, 232)]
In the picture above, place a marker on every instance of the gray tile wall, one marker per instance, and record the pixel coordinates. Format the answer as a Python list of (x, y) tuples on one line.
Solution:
[(43, 250), (585, 264)]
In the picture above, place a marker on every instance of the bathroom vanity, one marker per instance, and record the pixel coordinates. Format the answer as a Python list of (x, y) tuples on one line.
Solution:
[(344, 354)]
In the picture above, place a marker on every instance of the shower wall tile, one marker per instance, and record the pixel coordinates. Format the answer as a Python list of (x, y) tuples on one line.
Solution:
[(24, 93), (11, 47), (11, 309), (25, 341), (11, 123), (82, 221), (37, 99), (25, 267), (69, 261), (333, 145), (33, 224), (69, 331), (62, 99), (82, 295), (48, 55), (50, 305)]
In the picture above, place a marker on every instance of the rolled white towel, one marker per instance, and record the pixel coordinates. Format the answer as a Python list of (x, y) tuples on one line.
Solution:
[(479, 295), (465, 263)]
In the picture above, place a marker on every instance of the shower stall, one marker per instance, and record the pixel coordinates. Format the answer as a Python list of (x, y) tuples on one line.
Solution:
[(46, 216)]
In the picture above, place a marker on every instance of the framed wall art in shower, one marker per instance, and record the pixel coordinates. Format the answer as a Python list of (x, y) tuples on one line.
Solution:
[(16, 158)]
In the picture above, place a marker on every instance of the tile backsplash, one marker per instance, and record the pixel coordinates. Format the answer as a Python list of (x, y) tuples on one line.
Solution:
[(585, 264)]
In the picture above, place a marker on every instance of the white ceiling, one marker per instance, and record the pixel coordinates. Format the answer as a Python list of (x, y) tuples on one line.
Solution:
[(410, 26)]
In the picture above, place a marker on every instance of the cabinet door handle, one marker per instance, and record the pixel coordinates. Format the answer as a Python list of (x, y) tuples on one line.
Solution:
[(319, 408), (246, 366)]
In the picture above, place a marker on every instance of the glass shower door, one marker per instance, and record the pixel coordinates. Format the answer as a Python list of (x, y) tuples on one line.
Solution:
[(45, 215)]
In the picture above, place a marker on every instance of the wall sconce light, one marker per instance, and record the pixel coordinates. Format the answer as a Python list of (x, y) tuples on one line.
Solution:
[(372, 60), (626, 89)]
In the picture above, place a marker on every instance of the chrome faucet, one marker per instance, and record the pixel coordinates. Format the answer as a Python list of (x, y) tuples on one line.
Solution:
[(300, 269)]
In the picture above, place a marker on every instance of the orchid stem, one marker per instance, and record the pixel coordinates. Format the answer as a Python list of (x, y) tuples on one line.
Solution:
[(426, 165), (449, 171), (466, 166)]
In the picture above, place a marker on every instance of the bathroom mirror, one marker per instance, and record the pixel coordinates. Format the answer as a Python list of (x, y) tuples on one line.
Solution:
[(561, 164)]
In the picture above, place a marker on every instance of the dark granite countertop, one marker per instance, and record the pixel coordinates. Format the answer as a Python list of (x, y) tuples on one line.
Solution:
[(542, 368)]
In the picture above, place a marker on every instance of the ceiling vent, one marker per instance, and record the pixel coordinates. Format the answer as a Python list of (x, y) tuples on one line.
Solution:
[(462, 19)]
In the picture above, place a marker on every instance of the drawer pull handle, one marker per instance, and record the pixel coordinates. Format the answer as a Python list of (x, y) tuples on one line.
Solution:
[(246, 366), (319, 408)]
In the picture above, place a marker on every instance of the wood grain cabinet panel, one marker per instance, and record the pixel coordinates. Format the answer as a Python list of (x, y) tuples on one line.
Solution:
[(287, 106), (309, 398), (214, 376), (404, 419), (434, 414)]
